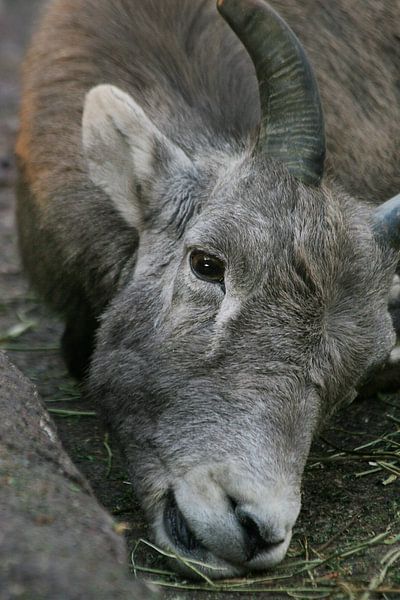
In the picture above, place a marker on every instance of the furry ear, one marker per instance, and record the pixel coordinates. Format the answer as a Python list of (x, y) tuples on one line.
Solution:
[(124, 150)]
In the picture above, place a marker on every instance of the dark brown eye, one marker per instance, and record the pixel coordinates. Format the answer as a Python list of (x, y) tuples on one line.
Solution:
[(207, 267)]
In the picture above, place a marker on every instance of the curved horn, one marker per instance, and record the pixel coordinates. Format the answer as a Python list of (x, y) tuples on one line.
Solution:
[(387, 222), (292, 123)]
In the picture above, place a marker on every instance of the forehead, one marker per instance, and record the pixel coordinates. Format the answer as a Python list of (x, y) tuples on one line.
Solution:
[(301, 261), (257, 219)]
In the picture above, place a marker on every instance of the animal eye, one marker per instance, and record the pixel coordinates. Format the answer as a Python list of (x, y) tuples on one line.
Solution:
[(207, 267)]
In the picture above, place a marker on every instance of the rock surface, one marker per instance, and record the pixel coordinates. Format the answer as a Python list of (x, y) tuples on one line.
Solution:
[(56, 541)]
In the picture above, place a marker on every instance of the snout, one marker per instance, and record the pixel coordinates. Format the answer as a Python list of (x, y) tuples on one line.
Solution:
[(230, 522)]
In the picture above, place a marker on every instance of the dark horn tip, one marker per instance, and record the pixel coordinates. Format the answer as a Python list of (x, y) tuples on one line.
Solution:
[(232, 10), (292, 122), (387, 222)]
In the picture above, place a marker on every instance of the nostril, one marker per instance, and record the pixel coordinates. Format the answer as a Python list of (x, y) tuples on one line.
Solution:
[(259, 536), (233, 503)]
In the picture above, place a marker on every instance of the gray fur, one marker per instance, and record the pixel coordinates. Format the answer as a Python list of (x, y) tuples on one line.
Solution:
[(213, 396)]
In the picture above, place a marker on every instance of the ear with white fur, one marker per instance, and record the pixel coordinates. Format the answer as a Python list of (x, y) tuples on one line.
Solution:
[(123, 149)]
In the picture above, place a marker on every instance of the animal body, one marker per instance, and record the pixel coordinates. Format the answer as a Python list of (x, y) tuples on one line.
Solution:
[(224, 285)]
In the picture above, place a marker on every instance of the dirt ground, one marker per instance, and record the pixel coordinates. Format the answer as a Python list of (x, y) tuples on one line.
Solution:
[(349, 498)]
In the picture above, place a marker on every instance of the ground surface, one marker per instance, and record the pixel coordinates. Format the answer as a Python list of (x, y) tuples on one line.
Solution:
[(350, 519)]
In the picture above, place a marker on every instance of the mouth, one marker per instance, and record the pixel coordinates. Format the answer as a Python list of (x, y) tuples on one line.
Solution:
[(178, 529), (224, 536), (186, 543)]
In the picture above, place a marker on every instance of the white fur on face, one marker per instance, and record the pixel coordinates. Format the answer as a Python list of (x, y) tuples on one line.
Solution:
[(229, 309), (204, 496)]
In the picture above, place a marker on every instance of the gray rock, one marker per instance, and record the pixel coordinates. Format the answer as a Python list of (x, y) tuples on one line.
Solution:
[(56, 541)]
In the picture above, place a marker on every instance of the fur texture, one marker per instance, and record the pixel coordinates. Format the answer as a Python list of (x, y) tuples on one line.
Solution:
[(215, 397)]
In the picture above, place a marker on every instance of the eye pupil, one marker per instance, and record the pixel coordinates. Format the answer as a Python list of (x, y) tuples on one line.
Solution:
[(207, 267)]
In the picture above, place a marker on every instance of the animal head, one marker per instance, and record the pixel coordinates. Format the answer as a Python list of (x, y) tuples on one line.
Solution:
[(257, 304)]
